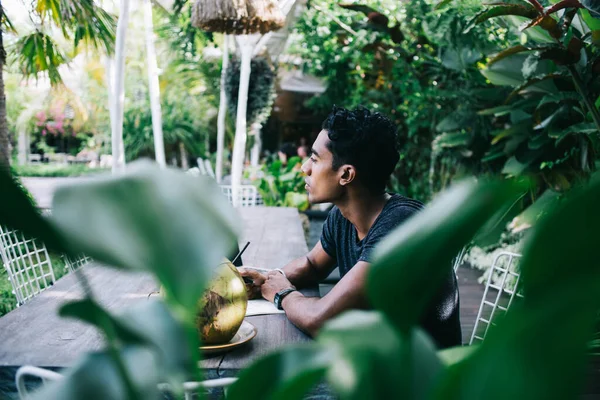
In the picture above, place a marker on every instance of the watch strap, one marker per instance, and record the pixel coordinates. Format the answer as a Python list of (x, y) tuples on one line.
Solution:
[(279, 296)]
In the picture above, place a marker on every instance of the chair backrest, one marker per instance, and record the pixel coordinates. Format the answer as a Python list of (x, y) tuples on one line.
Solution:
[(247, 195), (35, 372), (201, 166), (189, 388), (27, 263), (209, 169), (74, 263), (500, 290), (459, 258)]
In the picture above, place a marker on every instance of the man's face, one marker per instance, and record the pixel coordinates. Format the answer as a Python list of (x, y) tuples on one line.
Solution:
[(322, 182)]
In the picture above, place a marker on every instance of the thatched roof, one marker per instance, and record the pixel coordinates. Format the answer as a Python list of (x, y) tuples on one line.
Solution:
[(237, 17)]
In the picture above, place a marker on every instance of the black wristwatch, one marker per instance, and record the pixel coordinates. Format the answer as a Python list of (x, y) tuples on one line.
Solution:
[(280, 295)]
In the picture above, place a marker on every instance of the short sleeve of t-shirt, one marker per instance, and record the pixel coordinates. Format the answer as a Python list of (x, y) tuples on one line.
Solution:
[(339, 237), (328, 233)]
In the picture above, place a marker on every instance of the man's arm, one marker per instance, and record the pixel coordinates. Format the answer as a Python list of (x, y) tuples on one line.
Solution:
[(302, 272), (309, 313), (310, 269)]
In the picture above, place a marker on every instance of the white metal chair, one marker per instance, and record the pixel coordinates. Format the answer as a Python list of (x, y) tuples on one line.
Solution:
[(459, 259), (29, 371), (497, 297), (27, 263), (201, 166), (189, 388), (247, 195), (74, 263), (209, 169)]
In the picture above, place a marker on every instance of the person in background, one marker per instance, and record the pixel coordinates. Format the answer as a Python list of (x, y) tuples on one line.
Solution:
[(286, 151), (303, 149), (350, 162)]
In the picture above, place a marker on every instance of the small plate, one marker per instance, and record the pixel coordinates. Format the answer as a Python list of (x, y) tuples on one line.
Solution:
[(246, 333)]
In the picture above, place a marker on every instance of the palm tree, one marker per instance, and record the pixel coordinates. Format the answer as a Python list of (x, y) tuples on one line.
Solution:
[(82, 21)]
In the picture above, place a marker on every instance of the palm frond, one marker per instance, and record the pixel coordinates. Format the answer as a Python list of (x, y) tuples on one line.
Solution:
[(36, 53), (94, 26), (82, 19), (5, 24)]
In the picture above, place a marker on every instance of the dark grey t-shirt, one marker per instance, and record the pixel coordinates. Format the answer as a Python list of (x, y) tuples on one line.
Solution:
[(340, 239)]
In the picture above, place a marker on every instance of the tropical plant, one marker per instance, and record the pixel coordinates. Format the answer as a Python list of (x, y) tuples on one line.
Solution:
[(83, 22), (282, 185), (547, 123), (537, 351), (261, 89), (408, 61)]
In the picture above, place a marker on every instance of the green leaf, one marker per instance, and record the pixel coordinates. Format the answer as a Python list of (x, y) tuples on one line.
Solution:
[(459, 59), (373, 361), (522, 10), (442, 4), (536, 33), (525, 356), (296, 200), (530, 65), (455, 355), (592, 23), (518, 129), (450, 140), (397, 283), (6, 23), (539, 141), (38, 52), (286, 374), (149, 323), (535, 81), (509, 52), (560, 56), (496, 111), (593, 6), (559, 98), (528, 218), (18, 212), (513, 167), (491, 232), (89, 311), (505, 72), (96, 377), (179, 229)]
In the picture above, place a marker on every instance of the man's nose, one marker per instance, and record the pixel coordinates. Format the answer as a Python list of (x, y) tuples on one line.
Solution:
[(305, 168)]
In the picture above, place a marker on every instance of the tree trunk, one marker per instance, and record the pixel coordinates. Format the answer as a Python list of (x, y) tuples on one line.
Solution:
[(256, 149), (4, 142), (154, 89), (184, 157), (222, 111), (246, 44), (118, 150)]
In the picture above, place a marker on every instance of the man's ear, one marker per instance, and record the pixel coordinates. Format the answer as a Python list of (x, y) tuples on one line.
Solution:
[(348, 174)]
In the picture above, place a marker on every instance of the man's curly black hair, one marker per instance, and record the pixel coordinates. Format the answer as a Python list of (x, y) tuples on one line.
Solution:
[(366, 140)]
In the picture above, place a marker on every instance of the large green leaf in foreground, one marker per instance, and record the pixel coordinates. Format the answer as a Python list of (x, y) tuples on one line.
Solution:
[(411, 262), (172, 224), (539, 350)]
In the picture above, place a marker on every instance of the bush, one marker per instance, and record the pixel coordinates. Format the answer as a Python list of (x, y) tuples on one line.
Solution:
[(54, 170)]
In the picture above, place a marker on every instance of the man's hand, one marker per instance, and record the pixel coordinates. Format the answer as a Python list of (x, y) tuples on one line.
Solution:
[(258, 279), (275, 282)]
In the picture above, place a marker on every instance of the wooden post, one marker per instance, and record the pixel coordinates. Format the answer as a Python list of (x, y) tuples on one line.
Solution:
[(153, 86)]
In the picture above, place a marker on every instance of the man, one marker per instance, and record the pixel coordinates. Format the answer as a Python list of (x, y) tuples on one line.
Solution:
[(349, 165)]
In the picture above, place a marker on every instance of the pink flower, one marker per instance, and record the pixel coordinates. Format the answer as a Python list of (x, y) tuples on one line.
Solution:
[(44, 132), (41, 117)]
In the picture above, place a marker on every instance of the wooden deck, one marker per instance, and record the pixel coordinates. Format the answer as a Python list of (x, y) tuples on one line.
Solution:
[(471, 293)]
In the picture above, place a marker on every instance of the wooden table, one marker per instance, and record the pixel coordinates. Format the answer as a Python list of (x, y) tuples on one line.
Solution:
[(34, 334)]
